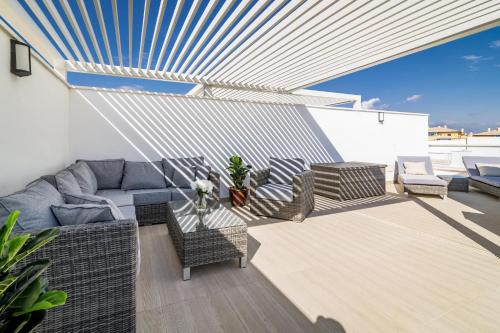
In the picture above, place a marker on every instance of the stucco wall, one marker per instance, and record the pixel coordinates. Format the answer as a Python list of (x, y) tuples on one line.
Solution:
[(105, 124), (34, 123)]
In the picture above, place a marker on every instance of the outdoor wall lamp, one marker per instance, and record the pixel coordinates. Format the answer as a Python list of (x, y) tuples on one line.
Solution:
[(20, 58), (381, 116)]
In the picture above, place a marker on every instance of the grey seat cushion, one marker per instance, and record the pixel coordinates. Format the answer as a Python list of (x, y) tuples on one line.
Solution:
[(282, 170), (82, 199), (490, 180), (470, 163), (170, 164), (422, 180), (67, 183), (141, 175), (149, 197), (277, 192), (183, 194), (84, 176), (68, 214), (402, 159), (119, 197), (128, 212), (34, 205), (109, 173)]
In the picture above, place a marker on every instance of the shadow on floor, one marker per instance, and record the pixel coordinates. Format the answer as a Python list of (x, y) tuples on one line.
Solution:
[(489, 219), (220, 297)]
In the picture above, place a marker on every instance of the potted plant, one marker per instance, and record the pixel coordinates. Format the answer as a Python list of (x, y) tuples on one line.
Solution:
[(24, 295), (238, 171)]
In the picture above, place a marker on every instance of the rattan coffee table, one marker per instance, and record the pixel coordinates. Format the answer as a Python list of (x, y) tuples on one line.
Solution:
[(203, 238)]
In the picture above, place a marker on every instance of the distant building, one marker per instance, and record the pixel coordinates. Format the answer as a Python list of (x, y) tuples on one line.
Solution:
[(490, 133), (445, 133)]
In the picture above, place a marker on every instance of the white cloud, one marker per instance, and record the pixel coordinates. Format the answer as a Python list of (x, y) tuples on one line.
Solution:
[(413, 98), (495, 44), (473, 58), (131, 87), (374, 103)]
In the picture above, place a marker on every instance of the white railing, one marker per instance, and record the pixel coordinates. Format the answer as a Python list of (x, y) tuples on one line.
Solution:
[(447, 155)]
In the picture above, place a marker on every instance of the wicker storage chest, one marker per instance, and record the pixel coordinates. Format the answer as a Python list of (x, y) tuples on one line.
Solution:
[(349, 180)]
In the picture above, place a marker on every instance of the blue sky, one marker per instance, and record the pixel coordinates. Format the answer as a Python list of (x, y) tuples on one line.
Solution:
[(457, 83)]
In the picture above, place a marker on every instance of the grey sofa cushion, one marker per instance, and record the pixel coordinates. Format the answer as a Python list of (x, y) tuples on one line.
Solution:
[(282, 170), (34, 205), (128, 212), (426, 159), (51, 179), (66, 182), (170, 164), (277, 192), (109, 173), (119, 197), (82, 199), (488, 169), (184, 176), (183, 194), (470, 163), (422, 180), (84, 176), (490, 180), (81, 214), (151, 198), (141, 175)]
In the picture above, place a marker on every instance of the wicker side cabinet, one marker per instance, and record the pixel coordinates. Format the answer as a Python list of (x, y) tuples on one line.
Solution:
[(349, 180)]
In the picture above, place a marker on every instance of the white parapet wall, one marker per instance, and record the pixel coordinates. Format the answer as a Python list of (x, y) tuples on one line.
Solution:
[(145, 126)]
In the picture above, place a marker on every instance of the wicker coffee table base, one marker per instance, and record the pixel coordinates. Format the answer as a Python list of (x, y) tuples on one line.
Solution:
[(207, 246)]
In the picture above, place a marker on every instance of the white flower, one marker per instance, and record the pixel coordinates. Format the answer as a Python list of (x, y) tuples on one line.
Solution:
[(204, 186)]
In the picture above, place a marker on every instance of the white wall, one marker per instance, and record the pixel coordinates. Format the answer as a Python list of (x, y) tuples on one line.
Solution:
[(106, 124), (34, 123)]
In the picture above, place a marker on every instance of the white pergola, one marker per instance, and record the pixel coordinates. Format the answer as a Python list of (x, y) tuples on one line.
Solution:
[(268, 46)]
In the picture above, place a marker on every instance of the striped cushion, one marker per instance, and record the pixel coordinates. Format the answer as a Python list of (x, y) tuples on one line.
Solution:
[(277, 192), (283, 170)]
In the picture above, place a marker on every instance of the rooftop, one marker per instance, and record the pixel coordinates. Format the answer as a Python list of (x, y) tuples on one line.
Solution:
[(360, 266), (443, 129), (489, 132)]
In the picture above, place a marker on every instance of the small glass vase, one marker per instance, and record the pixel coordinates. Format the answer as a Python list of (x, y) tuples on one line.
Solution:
[(201, 204)]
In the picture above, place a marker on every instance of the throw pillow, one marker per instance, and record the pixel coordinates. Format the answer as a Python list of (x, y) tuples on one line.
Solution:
[(184, 176), (82, 199), (68, 214), (488, 169), (84, 176), (67, 183), (415, 168), (108, 173)]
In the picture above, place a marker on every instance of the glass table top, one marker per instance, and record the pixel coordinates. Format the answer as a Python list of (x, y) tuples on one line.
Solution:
[(216, 216)]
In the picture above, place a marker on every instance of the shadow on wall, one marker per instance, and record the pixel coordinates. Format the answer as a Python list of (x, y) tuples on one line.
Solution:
[(147, 127)]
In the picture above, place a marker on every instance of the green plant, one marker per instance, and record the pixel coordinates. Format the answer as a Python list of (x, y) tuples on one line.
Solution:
[(238, 171), (24, 297)]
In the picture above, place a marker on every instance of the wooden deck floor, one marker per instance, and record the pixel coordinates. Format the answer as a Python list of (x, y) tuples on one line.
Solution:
[(388, 264)]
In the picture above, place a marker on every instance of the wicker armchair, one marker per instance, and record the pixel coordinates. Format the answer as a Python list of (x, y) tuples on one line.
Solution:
[(96, 265), (297, 210)]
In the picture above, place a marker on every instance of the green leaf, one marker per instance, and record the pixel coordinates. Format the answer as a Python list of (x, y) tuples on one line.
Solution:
[(23, 324), (12, 247), (6, 282), (34, 244), (28, 274), (27, 298), (7, 228), (46, 301)]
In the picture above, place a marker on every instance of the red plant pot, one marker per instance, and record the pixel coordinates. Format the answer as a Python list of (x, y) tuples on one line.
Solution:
[(238, 197)]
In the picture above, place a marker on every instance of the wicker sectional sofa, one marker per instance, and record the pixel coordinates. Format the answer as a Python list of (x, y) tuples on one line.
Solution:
[(97, 263)]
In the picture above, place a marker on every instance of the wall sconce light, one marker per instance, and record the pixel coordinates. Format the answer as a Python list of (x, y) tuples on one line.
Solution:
[(381, 116), (20, 58)]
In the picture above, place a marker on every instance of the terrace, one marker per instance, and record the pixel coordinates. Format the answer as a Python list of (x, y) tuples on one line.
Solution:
[(383, 263)]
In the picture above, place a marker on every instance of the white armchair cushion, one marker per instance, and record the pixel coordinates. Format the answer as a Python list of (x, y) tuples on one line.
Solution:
[(415, 168)]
